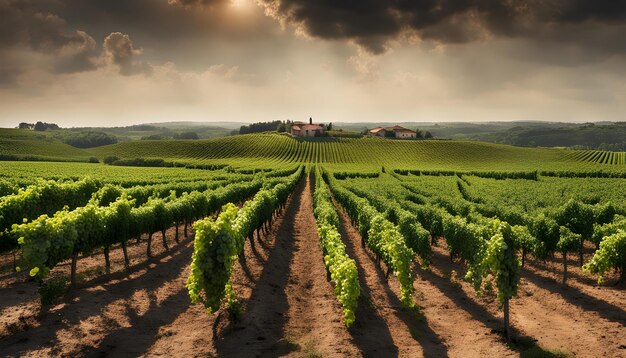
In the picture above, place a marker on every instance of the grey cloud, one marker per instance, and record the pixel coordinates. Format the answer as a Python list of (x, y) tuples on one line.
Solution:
[(372, 23), (77, 56), (368, 22), (584, 10), (198, 2), (9, 70), (24, 25), (118, 50)]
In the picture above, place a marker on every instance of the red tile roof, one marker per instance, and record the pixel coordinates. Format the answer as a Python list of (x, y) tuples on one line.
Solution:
[(395, 128), (399, 129), (313, 127)]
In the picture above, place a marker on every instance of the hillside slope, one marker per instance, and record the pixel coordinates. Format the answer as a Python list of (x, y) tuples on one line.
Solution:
[(254, 149), (268, 149), (30, 145)]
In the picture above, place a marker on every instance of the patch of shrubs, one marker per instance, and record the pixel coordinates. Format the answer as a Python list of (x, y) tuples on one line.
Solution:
[(136, 162), (90, 139)]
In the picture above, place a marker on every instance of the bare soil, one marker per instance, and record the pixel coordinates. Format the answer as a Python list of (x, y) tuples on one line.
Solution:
[(579, 319), (292, 309), (124, 313), (288, 305), (383, 327)]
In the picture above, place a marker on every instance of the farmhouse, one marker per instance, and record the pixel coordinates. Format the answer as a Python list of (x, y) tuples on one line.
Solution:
[(376, 132), (300, 129), (394, 132)]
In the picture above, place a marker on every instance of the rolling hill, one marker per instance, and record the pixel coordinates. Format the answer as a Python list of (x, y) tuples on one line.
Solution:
[(255, 150)]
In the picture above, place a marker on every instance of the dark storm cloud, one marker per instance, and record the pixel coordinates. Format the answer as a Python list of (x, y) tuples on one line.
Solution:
[(24, 25), (41, 26), (198, 2), (583, 10), (368, 22), (372, 23), (80, 56), (9, 71)]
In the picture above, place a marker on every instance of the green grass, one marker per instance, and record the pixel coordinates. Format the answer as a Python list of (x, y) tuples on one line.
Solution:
[(40, 149), (31, 145)]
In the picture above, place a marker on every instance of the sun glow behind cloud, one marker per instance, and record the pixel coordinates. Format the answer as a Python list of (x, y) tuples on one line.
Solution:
[(240, 4)]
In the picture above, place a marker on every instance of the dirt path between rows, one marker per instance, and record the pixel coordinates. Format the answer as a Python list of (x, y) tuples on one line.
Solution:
[(384, 328), (544, 312), (466, 327), (594, 317), (145, 311), (292, 309)]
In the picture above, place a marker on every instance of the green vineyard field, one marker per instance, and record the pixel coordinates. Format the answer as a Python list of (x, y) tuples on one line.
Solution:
[(491, 208), (263, 150), (273, 148)]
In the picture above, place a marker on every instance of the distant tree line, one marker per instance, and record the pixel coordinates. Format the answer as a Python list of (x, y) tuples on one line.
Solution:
[(83, 139), (183, 135), (140, 127), (611, 147), (586, 136), (186, 135), (279, 126), (262, 127), (39, 126), (420, 134)]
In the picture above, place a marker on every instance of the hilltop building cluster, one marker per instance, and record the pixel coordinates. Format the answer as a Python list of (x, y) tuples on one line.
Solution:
[(301, 129), (310, 129), (394, 132)]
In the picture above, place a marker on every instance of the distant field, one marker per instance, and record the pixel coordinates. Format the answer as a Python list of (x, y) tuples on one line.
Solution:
[(24, 172), (263, 150), (37, 145), (345, 152)]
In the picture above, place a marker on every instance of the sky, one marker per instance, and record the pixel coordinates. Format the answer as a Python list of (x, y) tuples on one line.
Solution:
[(123, 62)]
